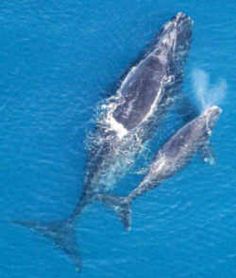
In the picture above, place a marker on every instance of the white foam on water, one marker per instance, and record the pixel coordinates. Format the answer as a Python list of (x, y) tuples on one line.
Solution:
[(208, 94), (120, 130), (110, 122)]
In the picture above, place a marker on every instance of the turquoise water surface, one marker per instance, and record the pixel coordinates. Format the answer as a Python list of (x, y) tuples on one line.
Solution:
[(59, 59)]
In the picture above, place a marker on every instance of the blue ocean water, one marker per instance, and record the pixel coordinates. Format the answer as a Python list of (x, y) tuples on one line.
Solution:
[(58, 60)]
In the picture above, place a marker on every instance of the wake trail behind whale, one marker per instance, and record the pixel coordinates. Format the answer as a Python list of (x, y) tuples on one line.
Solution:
[(207, 94)]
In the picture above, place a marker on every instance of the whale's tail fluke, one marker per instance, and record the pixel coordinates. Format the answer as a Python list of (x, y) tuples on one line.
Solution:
[(121, 207), (62, 233)]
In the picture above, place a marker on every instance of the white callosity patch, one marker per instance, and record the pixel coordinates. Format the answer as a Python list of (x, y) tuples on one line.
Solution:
[(169, 37), (208, 117)]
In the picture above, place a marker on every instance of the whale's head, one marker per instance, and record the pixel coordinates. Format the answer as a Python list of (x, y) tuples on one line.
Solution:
[(175, 37), (211, 115)]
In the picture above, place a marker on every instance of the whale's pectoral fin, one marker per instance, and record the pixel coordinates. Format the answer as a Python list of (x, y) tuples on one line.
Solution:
[(207, 153), (121, 207)]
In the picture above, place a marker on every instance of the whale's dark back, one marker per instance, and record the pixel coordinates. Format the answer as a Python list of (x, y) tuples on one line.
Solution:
[(187, 138), (139, 93)]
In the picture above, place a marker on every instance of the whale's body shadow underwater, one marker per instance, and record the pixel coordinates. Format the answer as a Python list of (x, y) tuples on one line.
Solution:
[(126, 123)]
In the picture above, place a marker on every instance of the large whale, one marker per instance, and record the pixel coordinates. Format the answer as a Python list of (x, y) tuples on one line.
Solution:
[(126, 123), (128, 117), (172, 157)]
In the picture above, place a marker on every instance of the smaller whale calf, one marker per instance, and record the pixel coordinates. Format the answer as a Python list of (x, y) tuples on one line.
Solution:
[(172, 157)]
